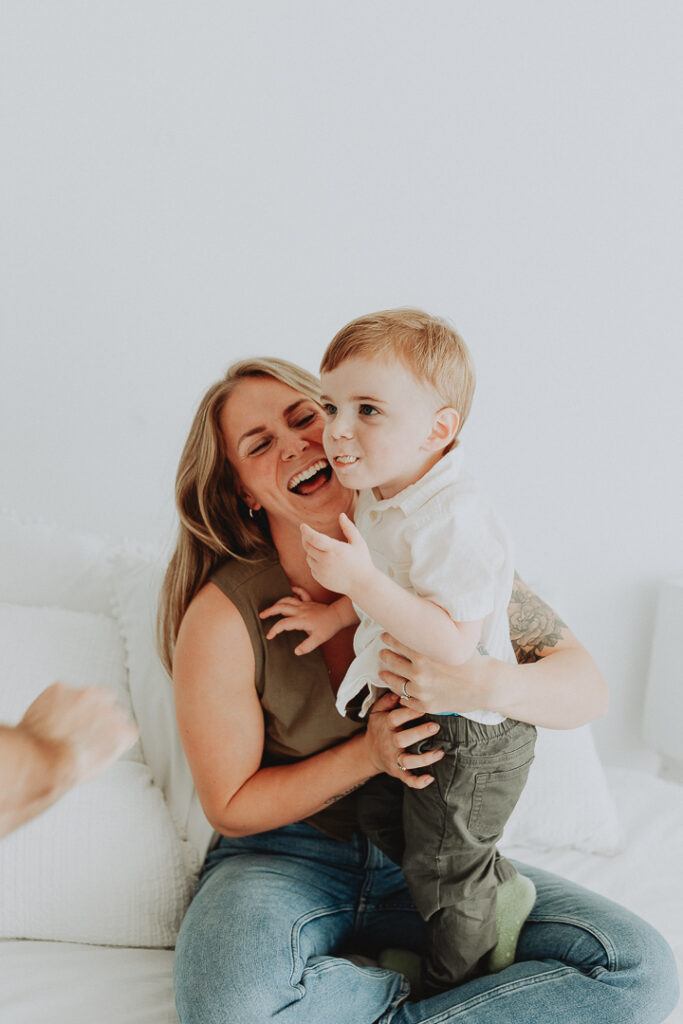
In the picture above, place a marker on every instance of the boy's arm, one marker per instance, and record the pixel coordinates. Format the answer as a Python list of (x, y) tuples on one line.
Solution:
[(433, 632), (347, 568)]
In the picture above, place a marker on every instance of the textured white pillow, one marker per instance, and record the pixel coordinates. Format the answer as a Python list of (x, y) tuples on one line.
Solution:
[(136, 582), (44, 565), (104, 864), (566, 801)]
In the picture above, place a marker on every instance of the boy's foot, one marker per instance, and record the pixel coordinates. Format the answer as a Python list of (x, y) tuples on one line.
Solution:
[(515, 899), (406, 963)]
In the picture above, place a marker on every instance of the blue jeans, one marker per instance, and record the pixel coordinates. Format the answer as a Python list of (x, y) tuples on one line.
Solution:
[(265, 935)]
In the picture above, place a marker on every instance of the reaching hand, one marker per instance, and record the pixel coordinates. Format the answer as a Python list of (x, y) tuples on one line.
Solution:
[(343, 567), (85, 725), (301, 612)]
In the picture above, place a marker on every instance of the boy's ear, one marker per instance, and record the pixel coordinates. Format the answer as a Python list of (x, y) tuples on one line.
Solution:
[(444, 428)]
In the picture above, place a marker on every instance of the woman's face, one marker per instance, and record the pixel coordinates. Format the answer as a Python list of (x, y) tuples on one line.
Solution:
[(273, 437)]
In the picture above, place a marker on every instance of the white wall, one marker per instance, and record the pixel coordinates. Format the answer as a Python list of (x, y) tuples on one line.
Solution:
[(186, 183)]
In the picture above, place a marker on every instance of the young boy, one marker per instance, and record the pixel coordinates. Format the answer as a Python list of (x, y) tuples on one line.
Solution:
[(429, 562)]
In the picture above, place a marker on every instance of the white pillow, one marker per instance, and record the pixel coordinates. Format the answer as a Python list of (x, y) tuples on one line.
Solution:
[(136, 582), (104, 864), (44, 565), (566, 801)]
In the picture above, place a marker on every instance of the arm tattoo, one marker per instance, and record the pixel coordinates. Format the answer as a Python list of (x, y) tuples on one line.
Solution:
[(333, 799), (533, 624)]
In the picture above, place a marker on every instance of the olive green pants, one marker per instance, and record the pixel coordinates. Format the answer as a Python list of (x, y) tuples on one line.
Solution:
[(444, 837)]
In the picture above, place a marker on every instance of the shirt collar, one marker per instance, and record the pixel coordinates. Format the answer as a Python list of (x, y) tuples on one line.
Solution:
[(413, 497)]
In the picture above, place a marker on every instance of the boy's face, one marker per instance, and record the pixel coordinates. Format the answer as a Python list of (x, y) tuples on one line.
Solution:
[(380, 425)]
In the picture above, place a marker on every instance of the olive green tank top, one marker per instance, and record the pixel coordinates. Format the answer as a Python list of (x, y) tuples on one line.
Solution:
[(295, 692)]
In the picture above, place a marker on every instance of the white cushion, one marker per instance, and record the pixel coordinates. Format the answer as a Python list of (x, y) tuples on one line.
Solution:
[(44, 565), (136, 582), (566, 801), (104, 864)]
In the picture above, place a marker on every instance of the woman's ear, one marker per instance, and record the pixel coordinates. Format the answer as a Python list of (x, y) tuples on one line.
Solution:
[(248, 500), (444, 428)]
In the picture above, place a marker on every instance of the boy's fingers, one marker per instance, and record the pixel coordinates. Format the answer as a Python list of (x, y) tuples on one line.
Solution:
[(284, 625), (283, 607), (308, 645), (302, 593)]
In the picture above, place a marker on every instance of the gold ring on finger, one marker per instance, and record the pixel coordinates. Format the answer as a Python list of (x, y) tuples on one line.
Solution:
[(404, 692)]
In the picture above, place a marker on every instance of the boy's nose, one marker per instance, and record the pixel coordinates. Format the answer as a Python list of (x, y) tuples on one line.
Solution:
[(340, 427)]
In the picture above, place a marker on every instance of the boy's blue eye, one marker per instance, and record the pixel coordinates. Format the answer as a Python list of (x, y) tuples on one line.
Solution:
[(329, 409), (368, 410)]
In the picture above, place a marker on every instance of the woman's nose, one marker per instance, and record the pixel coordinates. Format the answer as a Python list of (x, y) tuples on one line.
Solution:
[(292, 445)]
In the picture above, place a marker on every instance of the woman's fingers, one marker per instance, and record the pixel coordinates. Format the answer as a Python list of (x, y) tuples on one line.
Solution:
[(407, 737), (397, 646), (416, 781), (396, 662), (394, 682)]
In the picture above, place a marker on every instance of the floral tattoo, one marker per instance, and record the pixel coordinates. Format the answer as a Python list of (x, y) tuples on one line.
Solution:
[(533, 624)]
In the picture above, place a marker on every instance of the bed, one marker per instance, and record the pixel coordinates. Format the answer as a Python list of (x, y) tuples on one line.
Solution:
[(95, 889)]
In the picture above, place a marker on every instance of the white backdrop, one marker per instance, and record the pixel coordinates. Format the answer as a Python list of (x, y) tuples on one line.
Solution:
[(183, 184)]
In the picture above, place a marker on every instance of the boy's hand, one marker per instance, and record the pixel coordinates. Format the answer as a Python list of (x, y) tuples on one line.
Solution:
[(343, 568), (320, 621)]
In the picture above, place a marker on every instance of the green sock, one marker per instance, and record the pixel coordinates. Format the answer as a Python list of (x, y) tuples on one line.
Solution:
[(515, 898), (406, 963)]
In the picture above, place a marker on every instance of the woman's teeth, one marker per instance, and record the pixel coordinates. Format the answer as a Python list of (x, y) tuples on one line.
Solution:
[(307, 473)]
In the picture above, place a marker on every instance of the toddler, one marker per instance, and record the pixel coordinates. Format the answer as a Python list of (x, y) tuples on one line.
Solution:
[(428, 561)]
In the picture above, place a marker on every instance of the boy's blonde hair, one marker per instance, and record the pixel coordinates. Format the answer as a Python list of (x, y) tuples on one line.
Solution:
[(427, 345)]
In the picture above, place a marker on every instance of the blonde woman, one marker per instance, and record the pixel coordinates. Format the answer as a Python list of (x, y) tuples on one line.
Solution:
[(293, 892)]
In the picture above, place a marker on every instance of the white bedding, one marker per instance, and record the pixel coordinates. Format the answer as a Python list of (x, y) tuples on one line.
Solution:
[(64, 983)]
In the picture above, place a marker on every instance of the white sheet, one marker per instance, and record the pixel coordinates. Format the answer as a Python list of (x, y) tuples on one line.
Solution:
[(64, 983)]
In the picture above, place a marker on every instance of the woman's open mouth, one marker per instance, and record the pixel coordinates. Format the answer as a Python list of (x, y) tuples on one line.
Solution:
[(312, 478)]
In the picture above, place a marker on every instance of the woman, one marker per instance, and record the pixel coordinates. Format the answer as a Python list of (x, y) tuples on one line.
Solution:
[(292, 886)]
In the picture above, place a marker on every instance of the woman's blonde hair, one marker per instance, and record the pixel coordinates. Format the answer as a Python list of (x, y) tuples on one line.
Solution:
[(428, 346), (214, 521)]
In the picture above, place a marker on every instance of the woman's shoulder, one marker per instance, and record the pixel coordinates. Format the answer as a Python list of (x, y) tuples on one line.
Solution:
[(235, 573)]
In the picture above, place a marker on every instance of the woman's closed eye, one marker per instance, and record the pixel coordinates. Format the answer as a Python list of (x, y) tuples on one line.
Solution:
[(305, 420), (260, 446)]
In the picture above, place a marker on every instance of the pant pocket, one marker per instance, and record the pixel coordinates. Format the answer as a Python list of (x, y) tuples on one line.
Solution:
[(494, 798)]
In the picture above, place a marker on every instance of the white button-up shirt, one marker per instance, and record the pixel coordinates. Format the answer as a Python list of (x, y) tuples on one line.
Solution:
[(440, 539)]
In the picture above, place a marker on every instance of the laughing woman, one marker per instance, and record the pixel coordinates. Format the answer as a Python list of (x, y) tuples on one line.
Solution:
[(293, 886)]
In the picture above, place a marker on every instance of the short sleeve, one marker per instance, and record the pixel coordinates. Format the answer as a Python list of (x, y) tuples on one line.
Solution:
[(457, 554)]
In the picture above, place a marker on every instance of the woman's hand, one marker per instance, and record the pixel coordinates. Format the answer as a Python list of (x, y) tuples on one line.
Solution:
[(432, 686), (387, 740)]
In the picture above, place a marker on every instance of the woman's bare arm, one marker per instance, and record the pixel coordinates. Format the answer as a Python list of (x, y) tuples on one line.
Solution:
[(556, 683), (222, 729)]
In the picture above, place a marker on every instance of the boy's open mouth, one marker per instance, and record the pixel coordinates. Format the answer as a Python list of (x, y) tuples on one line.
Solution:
[(311, 478)]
